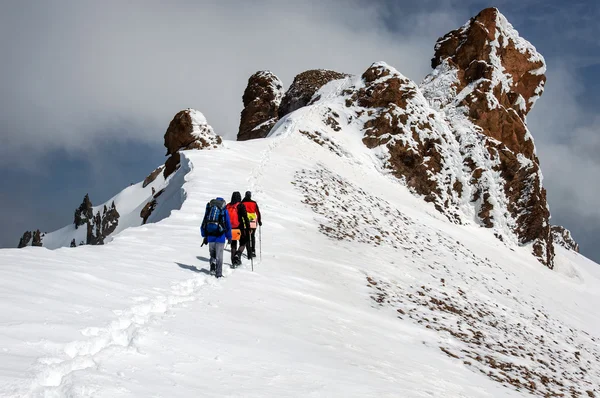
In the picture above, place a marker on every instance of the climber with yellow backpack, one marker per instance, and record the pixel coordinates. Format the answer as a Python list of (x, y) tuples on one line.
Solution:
[(255, 221)]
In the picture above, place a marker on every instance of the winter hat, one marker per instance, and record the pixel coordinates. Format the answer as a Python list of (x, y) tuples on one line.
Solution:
[(236, 197), (248, 195)]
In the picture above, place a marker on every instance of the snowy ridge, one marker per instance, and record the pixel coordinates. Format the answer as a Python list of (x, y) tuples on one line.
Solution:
[(139, 317)]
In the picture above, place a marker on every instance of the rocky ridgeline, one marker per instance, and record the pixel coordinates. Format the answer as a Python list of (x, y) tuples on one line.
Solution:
[(460, 138), (98, 226), (188, 130), (265, 102)]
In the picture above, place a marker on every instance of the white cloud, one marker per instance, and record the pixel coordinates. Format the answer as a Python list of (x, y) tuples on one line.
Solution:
[(568, 142), (81, 69)]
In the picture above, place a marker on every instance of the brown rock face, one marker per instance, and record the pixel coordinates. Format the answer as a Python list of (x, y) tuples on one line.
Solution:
[(25, 239), (505, 72), (397, 120), (150, 206), (152, 176), (304, 86), (486, 72), (261, 105), (187, 130), (562, 237)]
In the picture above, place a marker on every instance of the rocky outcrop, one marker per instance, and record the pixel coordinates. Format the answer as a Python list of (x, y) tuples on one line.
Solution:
[(562, 237), (25, 239), (397, 120), (261, 105), (486, 79), (99, 226), (84, 213), (188, 130), (110, 220), (150, 206), (304, 87), (35, 237), (152, 176), (498, 77)]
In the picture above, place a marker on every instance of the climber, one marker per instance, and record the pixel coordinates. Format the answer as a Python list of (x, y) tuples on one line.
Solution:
[(240, 226), (254, 218), (216, 227)]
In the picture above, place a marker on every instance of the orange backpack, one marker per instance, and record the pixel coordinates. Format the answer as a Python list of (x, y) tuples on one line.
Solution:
[(232, 209)]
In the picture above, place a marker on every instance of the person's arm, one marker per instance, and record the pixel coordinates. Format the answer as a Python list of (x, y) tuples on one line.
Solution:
[(244, 216), (258, 215), (203, 225), (228, 226)]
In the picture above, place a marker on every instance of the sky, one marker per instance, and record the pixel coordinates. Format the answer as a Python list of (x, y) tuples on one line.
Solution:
[(88, 88)]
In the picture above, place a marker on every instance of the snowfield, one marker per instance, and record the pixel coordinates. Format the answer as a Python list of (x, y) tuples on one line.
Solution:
[(362, 290)]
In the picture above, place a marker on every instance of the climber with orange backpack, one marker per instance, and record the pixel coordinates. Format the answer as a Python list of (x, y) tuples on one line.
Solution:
[(255, 221), (240, 228)]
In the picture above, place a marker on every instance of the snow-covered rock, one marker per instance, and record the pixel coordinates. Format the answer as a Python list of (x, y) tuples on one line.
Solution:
[(261, 103), (563, 237), (188, 130), (486, 79), (304, 86)]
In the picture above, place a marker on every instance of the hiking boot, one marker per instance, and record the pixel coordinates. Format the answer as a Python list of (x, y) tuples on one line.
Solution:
[(237, 259)]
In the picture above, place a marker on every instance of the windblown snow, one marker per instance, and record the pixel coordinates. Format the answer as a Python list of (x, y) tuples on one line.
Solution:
[(361, 289)]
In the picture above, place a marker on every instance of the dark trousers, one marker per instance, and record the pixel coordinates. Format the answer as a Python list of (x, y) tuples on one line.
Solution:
[(252, 243), (234, 248)]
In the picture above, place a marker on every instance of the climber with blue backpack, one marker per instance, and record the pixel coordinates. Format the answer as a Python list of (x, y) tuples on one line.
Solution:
[(216, 228)]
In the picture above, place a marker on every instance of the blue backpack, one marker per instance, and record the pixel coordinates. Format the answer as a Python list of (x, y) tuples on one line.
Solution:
[(214, 218)]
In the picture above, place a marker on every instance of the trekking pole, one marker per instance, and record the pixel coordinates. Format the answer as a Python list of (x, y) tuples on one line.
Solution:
[(251, 250), (260, 242)]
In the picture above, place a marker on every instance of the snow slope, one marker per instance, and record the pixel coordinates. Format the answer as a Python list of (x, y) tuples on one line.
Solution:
[(363, 290)]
